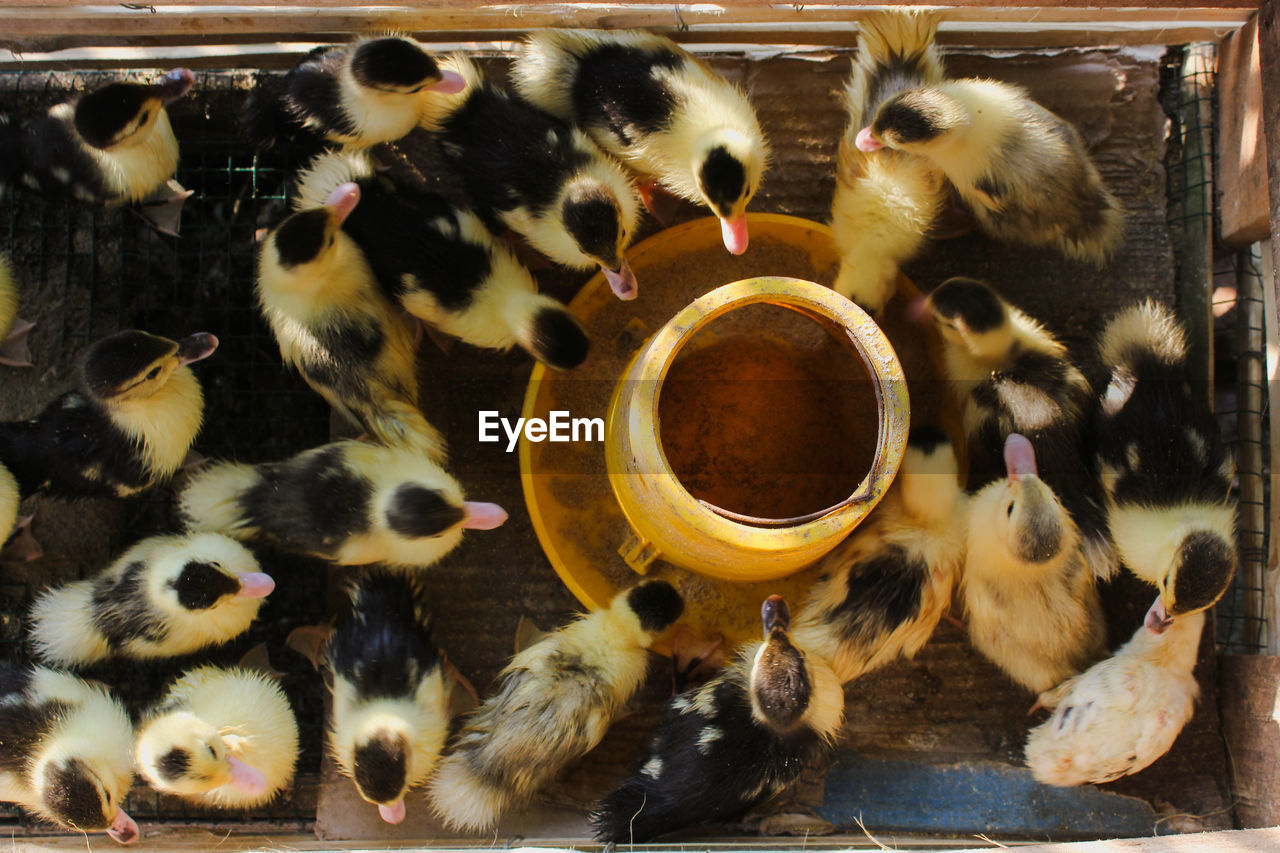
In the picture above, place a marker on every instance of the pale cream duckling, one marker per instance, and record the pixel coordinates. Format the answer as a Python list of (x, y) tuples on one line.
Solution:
[(1023, 170), (64, 751), (222, 737), (14, 351), (657, 108), (1122, 714), (884, 588), (165, 596), (337, 329), (552, 704), (885, 200), (1031, 599)]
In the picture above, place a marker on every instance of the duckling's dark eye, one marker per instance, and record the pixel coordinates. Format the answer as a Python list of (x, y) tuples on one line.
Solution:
[(155, 371), (1008, 511), (330, 243), (213, 752), (146, 114)]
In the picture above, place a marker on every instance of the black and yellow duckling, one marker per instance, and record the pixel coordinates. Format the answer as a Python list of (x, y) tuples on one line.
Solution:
[(658, 109), (13, 330), (885, 200), (337, 329), (352, 502), (65, 753), (1165, 470), (220, 737), (166, 596), (358, 95), (731, 743), (1010, 375), (884, 589), (111, 146), (1029, 594), (552, 704), (1023, 170), (441, 263), (126, 429), (528, 171), (390, 710)]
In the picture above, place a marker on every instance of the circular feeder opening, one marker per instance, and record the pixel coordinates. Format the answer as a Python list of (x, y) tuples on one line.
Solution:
[(769, 415)]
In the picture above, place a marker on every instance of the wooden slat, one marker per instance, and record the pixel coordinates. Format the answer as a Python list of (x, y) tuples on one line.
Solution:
[(1242, 168), (1269, 44), (1249, 690)]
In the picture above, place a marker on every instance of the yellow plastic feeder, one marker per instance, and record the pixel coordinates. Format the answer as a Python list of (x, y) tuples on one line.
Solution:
[(670, 522), (606, 512)]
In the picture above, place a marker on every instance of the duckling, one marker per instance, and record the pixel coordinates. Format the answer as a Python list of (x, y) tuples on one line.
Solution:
[(1030, 596), (111, 146), (650, 103), (10, 499), (731, 743), (530, 172), (443, 266), (390, 698), (1165, 470), (126, 429), (336, 328), (553, 703), (352, 502), (884, 589), (220, 737), (1010, 375), (356, 95), (13, 330), (65, 755), (1023, 170), (166, 596), (885, 200)]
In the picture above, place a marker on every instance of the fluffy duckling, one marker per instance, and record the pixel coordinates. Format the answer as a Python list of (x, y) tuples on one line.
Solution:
[(166, 596), (443, 266), (126, 429), (1166, 473), (1123, 713), (336, 328), (651, 104), (1031, 599), (352, 502), (13, 330), (1023, 170), (65, 751), (731, 743), (10, 499), (371, 91), (885, 200), (553, 703), (221, 737), (885, 588), (1011, 376), (113, 145), (530, 172), (390, 697)]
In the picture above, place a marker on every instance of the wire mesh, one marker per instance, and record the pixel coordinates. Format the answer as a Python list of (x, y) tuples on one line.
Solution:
[(89, 272), (1238, 357)]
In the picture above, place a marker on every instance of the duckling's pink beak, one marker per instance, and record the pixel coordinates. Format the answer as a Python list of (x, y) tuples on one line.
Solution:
[(175, 84), (866, 141), (1019, 457), (482, 516), (343, 199), (622, 281), (393, 813), (1157, 618), (255, 585), (123, 829), (195, 347), (734, 233), (451, 82), (251, 780)]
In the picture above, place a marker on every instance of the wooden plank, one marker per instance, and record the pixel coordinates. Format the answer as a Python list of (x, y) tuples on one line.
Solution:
[(1242, 166), (1249, 691), (572, 6), (1269, 64)]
